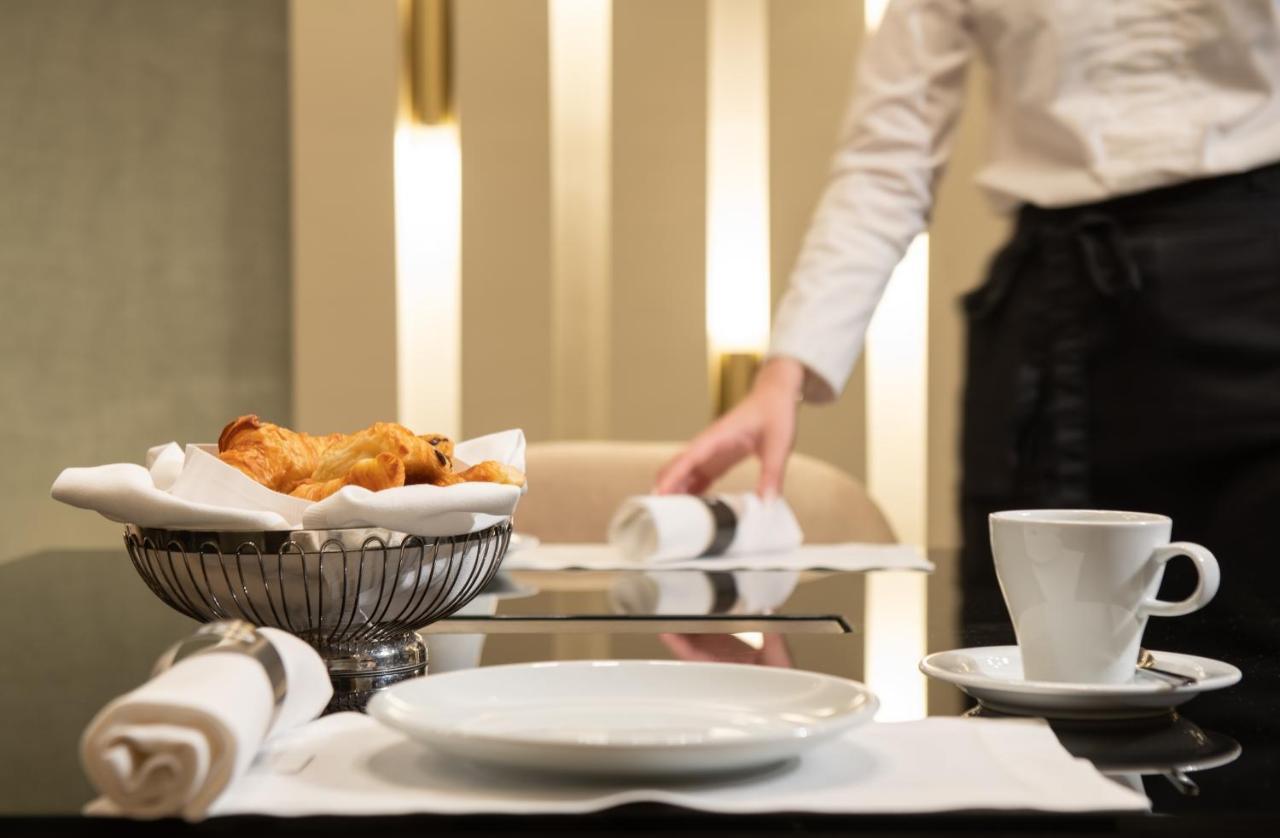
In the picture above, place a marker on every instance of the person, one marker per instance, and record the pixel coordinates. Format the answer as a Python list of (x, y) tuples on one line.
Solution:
[(1124, 351)]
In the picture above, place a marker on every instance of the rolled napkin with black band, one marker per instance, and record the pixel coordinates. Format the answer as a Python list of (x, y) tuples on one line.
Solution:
[(174, 744), (657, 528)]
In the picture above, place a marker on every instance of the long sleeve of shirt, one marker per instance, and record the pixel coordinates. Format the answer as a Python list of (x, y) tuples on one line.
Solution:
[(1088, 101), (895, 142)]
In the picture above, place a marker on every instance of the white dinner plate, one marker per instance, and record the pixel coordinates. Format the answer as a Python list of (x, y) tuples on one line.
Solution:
[(625, 717), (993, 675)]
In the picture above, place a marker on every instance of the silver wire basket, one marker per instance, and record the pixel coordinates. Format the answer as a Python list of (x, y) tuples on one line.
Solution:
[(357, 595)]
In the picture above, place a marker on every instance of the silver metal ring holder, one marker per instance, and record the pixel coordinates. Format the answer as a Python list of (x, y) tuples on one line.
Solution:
[(237, 637), (358, 596)]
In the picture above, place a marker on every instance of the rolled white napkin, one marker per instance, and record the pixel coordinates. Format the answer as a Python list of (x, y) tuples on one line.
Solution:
[(195, 490), (172, 745), (658, 528)]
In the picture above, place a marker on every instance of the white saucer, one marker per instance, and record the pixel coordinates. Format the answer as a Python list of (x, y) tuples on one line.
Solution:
[(625, 717), (993, 675)]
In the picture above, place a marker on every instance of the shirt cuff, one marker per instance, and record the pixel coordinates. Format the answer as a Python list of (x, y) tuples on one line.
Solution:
[(822, 382)]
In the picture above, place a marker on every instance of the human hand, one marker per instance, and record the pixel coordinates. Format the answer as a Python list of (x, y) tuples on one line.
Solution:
[(725, 648), (764, 424)]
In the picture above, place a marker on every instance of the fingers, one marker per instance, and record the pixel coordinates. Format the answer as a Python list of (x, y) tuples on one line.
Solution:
[(683, 648), (774, 652), (694, 483), (676, 476), (710, 455), (774, 449), (697, 484)]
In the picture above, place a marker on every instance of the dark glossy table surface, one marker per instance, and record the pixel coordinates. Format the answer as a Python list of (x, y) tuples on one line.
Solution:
[(81, 628)]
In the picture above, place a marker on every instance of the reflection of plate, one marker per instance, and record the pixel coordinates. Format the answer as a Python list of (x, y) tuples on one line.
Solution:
[(625, 717), (993, 675)]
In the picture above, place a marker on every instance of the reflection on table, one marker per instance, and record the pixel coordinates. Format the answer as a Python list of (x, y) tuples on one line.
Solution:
[(1168, 746), (100, 629)]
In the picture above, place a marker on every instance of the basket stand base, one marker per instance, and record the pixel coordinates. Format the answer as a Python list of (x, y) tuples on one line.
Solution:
[(359, 671)]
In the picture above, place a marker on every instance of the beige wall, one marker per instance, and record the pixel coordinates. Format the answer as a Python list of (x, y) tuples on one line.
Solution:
[(502, 73), (144, 227), (659, 375), (812, 48), (656, 383), (180, 193), (344, 72), (657, 387)]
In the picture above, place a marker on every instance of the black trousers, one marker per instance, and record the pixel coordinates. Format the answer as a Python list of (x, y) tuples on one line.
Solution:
[(1126, 355)]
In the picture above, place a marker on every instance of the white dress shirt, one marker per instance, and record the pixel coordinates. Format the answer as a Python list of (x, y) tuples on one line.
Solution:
[(1090, 99)]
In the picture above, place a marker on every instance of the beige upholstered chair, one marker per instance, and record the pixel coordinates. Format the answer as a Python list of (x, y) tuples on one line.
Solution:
[(574, 487)]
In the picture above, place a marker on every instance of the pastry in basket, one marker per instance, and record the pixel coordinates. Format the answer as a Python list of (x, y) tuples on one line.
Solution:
[(440, 441), (490, 471), (276, 457), (385, 471), (382, 456), (423, 462)]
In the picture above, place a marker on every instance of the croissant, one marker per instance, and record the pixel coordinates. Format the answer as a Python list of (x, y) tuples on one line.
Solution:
[(423, 461), (491, 471), (381, 456), (276, 457), (384, 471)]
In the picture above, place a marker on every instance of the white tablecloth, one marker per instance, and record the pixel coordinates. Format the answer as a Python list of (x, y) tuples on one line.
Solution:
[(349, 764)]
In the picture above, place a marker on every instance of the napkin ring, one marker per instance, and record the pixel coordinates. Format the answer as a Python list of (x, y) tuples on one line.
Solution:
[(724, 592), (235, 636), (725, 522)]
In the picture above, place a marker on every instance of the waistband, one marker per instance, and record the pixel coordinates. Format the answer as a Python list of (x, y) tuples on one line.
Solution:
[(1187, 202)]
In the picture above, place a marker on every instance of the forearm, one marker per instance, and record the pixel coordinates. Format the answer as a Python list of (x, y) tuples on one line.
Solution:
[(781, 376), (897, 139)]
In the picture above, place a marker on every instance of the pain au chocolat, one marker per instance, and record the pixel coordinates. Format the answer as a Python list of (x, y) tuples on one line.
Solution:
[(381, 456)]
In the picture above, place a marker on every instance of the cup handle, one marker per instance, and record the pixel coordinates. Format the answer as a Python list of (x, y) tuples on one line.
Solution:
[(1206, 586)]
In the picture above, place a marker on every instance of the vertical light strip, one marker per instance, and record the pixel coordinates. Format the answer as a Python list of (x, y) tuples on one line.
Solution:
[(897, 395), (737, 177), (873, 11), (897, 382), (428, 188), (897, 472), (580, 55)]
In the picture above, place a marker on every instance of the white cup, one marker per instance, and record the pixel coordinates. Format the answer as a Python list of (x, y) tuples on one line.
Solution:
[(1081, 583)]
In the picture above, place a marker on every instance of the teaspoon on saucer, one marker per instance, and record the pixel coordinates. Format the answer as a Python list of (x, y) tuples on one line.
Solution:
[(1147, 663)]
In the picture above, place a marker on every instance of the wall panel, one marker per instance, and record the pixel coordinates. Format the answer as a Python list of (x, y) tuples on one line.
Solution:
[(502, 88), (812, 48), (144, 239), (344, 79), (659, 387)]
